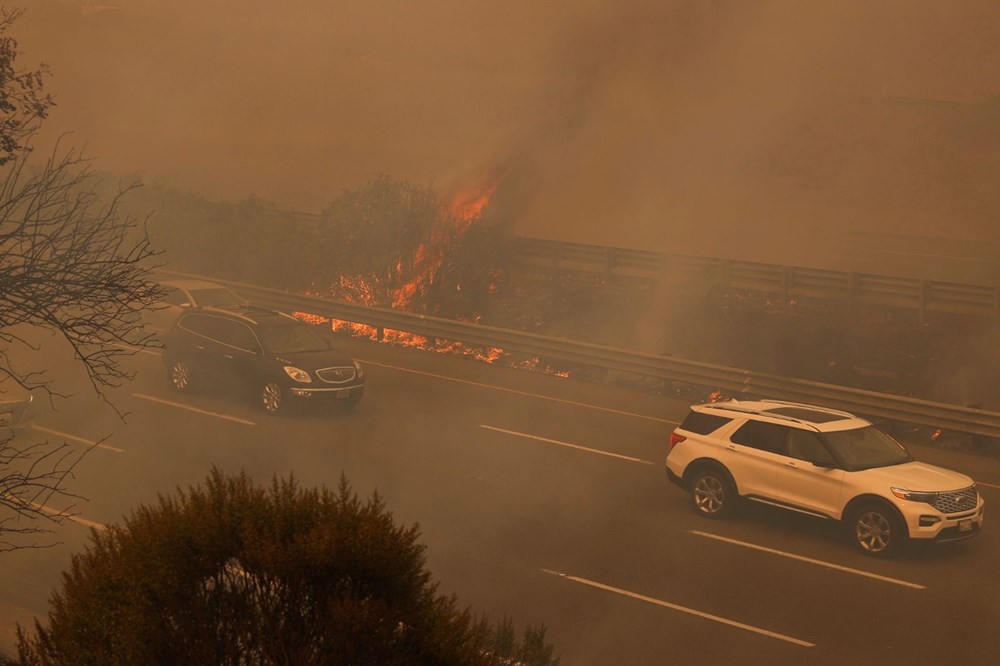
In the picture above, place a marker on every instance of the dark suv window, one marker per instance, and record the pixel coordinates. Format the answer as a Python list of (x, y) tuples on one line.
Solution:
[(205, 325), (702, 423), (762, 435), (223, 330), (235, 334)]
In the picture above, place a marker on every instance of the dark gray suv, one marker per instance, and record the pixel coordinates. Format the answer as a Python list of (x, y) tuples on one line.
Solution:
[(273, 356)]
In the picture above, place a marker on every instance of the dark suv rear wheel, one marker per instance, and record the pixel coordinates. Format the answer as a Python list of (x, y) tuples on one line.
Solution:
[(180, 375)]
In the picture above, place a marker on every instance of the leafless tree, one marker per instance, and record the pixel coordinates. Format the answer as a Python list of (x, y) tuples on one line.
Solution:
[(71, 265)]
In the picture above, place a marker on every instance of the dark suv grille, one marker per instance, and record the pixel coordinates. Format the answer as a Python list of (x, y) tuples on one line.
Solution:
[(957, 500), (337, 375)]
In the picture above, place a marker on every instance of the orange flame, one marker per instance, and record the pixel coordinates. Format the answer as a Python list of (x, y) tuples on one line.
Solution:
[(465, 207)]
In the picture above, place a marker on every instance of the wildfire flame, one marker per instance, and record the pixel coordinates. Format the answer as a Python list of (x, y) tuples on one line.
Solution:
[(467, 205), (465, 208)]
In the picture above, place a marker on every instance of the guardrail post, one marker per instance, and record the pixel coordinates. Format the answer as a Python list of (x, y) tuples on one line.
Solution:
[(852, 293), (725, 271), (922, 313), (557, 255), (667, 268), (379, 333)]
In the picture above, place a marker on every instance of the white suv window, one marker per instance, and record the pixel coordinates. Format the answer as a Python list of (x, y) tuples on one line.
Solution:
[(807, 446), (761, 435)]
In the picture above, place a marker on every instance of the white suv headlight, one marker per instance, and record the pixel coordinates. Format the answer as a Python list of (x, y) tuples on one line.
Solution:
[(915, 495), (298, 374), (359, 370)]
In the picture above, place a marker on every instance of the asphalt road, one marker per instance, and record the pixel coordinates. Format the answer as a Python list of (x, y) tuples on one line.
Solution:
[(546, 500)]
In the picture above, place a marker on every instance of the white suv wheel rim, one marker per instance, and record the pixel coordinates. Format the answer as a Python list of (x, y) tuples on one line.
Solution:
[(873, 531), (709, 494)]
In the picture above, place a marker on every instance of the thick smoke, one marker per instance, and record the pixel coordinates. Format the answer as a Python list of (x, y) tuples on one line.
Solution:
[(685, 126)]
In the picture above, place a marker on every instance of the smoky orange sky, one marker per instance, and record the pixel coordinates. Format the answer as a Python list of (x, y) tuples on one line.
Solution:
[(651, 124)]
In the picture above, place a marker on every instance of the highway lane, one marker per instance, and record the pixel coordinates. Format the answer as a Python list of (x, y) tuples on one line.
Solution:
[(559, 481)]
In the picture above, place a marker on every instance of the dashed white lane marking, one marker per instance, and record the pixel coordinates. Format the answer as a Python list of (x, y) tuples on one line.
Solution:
[(567, 444), (193, 409), (88, 442), (62, 514), (821, 563), (524, 393), (131, 348), (683, 609)]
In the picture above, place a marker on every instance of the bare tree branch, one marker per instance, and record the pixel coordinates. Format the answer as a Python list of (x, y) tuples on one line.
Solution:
[(70, 264)]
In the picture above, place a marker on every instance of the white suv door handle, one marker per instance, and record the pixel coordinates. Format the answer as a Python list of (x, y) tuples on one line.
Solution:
[(732, 447), (792, 465)]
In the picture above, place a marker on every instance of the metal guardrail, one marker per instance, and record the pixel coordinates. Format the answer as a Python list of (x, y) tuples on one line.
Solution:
[(788, 282), (733, 380)]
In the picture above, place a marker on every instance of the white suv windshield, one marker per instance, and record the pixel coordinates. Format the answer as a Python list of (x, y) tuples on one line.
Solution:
[(864, 448)]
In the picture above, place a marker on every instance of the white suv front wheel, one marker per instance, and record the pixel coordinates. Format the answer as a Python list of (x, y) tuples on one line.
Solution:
[(712, 493), (877, 531)]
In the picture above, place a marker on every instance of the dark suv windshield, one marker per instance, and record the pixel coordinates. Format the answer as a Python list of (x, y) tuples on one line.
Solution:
[(292, 338), (863, 448)]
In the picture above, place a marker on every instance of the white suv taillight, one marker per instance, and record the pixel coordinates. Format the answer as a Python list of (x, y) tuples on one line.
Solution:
[(676, 439)]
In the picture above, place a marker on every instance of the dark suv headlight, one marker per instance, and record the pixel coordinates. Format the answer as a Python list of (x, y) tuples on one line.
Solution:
[(298, 374)]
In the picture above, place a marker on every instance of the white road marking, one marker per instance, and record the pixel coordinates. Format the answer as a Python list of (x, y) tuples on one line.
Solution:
[(88, 442), (567, 444), (193, 409), (131, 348), (857, 572), (682, 609), (988, 485), (56, 512), (524, 393)]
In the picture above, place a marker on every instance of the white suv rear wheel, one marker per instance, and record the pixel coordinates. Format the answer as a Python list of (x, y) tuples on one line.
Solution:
[(712, 493)]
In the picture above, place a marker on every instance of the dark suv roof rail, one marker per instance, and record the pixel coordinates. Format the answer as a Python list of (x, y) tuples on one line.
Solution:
[(244, 312)]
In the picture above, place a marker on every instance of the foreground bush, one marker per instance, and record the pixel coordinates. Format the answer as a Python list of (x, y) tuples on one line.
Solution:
[(232, 573)]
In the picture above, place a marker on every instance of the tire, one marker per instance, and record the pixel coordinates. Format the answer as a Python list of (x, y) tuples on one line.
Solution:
[(713, 494), (273, 398), (180, 374), (876, 530)]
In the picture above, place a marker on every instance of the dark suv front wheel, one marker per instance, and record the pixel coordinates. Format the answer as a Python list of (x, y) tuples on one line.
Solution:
[(273, 398)]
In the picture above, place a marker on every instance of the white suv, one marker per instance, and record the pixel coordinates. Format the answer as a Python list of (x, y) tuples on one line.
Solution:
[(820, 462)]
